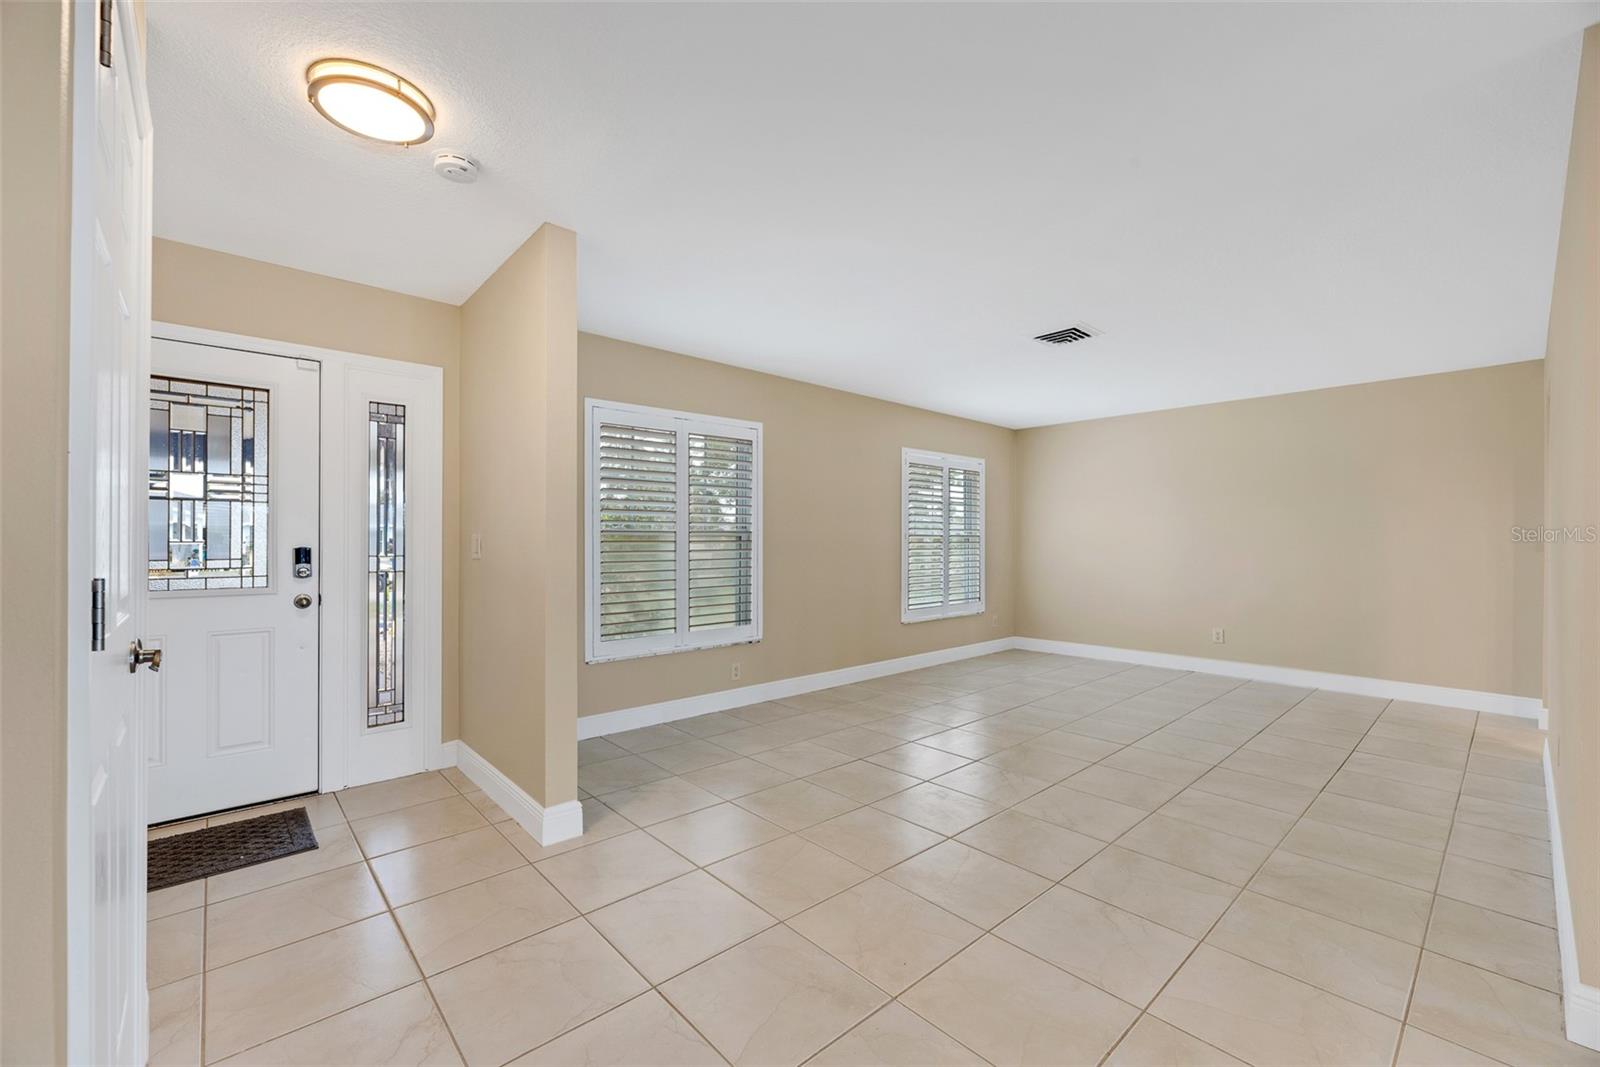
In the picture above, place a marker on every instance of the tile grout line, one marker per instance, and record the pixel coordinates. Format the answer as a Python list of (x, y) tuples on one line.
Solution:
[(990, 931), (891, 998), (944, 837), (366, 860), (389, 910), (1433, 901), (394, 919), (389, 906), (879, 1010), (894, 998), (1264, 727), (366, 863), (205, 973), (1238, 892), (582, 916), (850, 758), (1421, 948), (1425, 949), (1139, 1012)]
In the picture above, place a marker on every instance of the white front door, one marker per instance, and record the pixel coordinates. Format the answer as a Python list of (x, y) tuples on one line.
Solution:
[(110, 316), (234, 566)]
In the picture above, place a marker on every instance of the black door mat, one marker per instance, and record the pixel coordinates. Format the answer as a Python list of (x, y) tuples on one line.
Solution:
[(229, 847)]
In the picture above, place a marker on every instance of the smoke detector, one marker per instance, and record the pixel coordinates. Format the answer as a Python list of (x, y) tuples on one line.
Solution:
[(454, 167), (1080, 331)]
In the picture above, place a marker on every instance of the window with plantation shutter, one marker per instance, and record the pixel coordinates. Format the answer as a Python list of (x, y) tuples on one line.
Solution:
[(942, 552), (674, 541)]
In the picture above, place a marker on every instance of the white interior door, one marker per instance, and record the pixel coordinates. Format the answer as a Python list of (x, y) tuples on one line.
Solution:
[(233, 509), (110, 316)]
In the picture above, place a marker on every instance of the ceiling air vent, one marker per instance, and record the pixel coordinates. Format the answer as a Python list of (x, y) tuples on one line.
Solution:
[(1081, 331)]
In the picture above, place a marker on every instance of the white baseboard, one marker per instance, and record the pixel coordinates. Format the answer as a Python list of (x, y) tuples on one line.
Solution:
[(1472, 699), (614, 722), (547, 826), (1582, 1002), (459, 754)]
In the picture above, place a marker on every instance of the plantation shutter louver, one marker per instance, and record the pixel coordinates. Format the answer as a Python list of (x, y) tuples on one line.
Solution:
[(721, 530), (637, 492), (965, 537), (943, 535), (674, 541), (925, 536)]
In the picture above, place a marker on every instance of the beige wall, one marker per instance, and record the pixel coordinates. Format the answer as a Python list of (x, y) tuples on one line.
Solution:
[(199, 287), (34, 185), (518, 491), (831, 523), (1572, 575), (1364, 530)]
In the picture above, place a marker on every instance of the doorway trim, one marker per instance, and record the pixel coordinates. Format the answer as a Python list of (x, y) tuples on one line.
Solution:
[(347, 377)]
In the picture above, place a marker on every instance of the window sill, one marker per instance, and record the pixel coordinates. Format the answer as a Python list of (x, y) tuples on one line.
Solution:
[(907, 620), (623, 654)]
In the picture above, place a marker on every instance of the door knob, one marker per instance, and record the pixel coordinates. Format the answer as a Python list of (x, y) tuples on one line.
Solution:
[(138, 654), (302, 601)]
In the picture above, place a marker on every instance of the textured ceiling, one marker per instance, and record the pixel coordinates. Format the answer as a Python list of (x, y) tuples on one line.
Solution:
[(893, 199)]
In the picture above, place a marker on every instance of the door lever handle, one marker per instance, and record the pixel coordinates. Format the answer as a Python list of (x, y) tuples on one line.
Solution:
[(137, 654)]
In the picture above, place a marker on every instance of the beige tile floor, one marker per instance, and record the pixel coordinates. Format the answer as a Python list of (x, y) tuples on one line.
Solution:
[(1017, 859)]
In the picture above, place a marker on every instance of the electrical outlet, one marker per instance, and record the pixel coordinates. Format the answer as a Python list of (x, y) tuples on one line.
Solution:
[(1219, 636), (477, 546), (736, 672)]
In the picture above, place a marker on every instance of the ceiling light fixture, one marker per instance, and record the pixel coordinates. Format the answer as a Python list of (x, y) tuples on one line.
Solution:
[(369, 101)]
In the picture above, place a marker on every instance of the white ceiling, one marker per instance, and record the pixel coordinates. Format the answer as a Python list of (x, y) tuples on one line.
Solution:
[(893, 199)]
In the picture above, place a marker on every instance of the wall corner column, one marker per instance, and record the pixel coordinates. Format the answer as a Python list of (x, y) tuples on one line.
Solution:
[(519, 594), (1572, 564), (563, 554)]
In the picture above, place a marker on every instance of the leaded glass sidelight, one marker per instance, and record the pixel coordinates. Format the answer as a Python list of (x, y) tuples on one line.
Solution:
[(386, 563), (208, 485)]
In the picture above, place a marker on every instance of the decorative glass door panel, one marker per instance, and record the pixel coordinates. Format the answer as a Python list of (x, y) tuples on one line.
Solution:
[(208, 486), (386, 563)]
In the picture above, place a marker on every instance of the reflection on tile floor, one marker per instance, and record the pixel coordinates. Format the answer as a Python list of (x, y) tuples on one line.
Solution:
[(1022, 858)]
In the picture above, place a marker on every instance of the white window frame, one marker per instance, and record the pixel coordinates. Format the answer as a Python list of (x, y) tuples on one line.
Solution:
[(682, 639), (947, 610)]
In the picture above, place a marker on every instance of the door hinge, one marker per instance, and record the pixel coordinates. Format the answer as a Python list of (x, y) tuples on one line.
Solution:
[(105, 33), (97, 615)]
